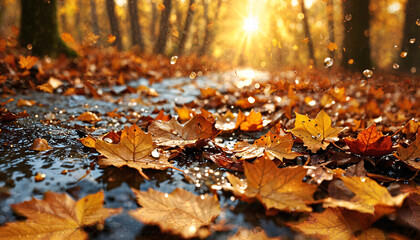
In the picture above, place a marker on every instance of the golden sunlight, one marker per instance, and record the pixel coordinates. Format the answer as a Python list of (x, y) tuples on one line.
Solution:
[(250, 25)]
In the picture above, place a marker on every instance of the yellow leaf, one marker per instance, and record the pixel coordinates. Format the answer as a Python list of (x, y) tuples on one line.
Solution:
[(254, 234), (27, 62), (88, 117), (332, 46), (315, 133), (67, 38), (179, 212), (111, 38), (40, 144)]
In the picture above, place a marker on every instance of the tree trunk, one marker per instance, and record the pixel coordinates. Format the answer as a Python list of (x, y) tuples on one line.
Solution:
[(136, 35), (113, 22), (308, 33), (356, 44), (186, 31), (94, 17), (331, 34), (153, 23), (411, 31), (208, 32), (79, 21), (63, 18), (39, 27), (163, 28)]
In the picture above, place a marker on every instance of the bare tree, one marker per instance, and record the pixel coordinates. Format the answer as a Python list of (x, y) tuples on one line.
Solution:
[(308, 33), (162, 39), (113, 21), (411, 37), (186, 31), (94, 17), (136, 34)]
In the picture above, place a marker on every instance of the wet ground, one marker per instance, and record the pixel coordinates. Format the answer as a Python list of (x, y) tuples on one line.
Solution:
[(52, 119)]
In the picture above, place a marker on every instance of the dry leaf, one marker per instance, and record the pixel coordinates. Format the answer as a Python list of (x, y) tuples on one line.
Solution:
[(88, 117), (27, 62), (184, 114), (88, 141), (332, 46), (281, 189), (254, 234), (228, 121), (411, 153), (315, 133), (179, 212), (40, 144), (253, 122), (111, 38), (370, 142), (134, 150), (23, 102), (67, 38), (173, 134), (57, 217)]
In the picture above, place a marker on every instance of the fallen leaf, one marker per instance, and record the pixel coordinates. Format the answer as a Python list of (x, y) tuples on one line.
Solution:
[(332, 46), (370, 142), (273, 145), (315, 133), (27, 62), (280, 189), (111, 38), (411, 153), (40, 145), (253, 122), (88, 117), (23, 102), (57, 217), (254, 234), (88, 141), (179, 212), (184, 114), (228, 121), (134, 150), (39, 177), (162, 117), (173, 134), (411, 128), (410, 212), (67, 38)]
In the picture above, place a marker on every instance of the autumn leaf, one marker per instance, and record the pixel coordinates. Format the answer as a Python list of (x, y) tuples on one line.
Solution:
[(228, 121), (253, 122), (411, 153), (370, 142), (40, 144), (208, 92), (280, 189), (88, 117), (173, 134), (111, 38), (179, 212), (88, 141), (369, 196), (184, 114), (162, 117), (254, 234), (23, 102), (273, 145), (67, 38), (134, 150), (332, 46), (315, 133), (58, 216), (336, 224), (27, 62)]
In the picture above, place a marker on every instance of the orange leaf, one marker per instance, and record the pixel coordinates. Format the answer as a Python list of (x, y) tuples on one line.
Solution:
[(184, 114), (40, 145), (411, 153), (88, 141), (253, 122), (280, 189), (67, 38), (58, 216), (134, 150), (88, 117), (27, 62), (179, 212), (23, 102), (332, 46), (370, 142), (254, 234), (162, 117), (111, 38)]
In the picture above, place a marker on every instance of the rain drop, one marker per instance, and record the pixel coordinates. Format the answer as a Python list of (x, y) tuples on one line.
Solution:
[(348, 17), (412, 40), (418, 22), (395, 66), (155, 153), (403, 54), (193, 75), (29, 46), (251, 100), (174, 59), (328, 62), (368, 73)]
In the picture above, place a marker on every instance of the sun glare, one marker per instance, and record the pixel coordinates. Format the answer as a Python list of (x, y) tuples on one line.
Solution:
[(250, 25)]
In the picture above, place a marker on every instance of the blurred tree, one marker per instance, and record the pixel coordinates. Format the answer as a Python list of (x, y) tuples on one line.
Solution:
[(79, 20), (136, 33), (154, 20), (331, 34), (39, 27), (94, 17), (308, 33), (113, 21), (208, 29), (356, 46), (187, 25), (63, 17), (411, 38), (162, 39)]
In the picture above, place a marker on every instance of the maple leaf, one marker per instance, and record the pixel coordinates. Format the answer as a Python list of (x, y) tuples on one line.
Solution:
[(411, 153), (111, 38), (134, 150), (273, 145), (253, 122), (184, 114), (228, 121), (58, 216), (27, 62), (281, 189), (254, 234), (315, 133), (332, 46), (173, 134), (40, 144), (369, 196), (336, 224), (370, 142), (179, 212)]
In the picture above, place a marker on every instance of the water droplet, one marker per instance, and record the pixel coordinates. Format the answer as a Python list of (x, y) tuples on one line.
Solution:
[(395, 66), (166, 195), (108, 140), (328, 62), (29, 46), (202, 197), (174, 59), (251, 100), (362, 179), (368, 73), (155, 153), (418, 22), (348, 17), (193, 75), (403, 54), (412, 40)]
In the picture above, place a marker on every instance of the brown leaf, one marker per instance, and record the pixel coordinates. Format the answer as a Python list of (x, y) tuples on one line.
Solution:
[(57, 217), (134, 150), (370, 142), (88, 141), (253, 122), (27, 62), (23, 102), (411, 153), (179, 212), (280, 189), (173, 134), (40, 144), (88, 117), (254, 234)]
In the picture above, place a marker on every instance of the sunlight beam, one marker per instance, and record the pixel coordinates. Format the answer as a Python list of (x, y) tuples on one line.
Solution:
[(250, 25)]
